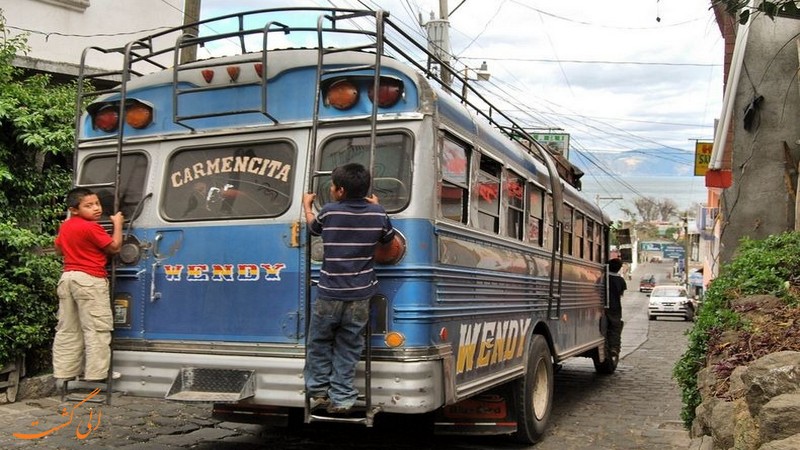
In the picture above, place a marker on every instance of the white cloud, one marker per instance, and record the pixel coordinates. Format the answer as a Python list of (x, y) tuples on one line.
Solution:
[(574, 64)]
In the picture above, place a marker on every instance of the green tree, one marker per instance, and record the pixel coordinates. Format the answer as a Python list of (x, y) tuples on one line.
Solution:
[(36, 140)]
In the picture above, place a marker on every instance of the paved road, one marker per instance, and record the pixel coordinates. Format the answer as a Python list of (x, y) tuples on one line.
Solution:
[(636, 408)]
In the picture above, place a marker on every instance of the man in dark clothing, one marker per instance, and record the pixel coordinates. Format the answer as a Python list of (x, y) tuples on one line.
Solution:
[(616, 287)]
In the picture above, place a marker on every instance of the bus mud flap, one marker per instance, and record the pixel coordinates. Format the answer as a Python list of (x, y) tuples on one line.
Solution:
[(197, 384)]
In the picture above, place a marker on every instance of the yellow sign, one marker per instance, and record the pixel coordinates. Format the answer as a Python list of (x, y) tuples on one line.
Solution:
[(702, 156)]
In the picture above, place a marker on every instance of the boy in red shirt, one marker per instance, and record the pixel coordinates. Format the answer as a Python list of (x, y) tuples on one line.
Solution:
[(85, 321)]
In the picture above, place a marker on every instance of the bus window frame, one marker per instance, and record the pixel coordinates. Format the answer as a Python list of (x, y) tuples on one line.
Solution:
[(107, 198), (535, 216), (321, 183), (451, 183), (515, 229), (567, 233), (483, 192), (264, 143), (579, 233)]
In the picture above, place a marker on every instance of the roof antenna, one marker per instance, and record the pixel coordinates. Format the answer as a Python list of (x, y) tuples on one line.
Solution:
[(658, 12)]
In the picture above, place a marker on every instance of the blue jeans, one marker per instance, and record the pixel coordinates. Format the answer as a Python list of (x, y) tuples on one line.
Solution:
[(333, 348)]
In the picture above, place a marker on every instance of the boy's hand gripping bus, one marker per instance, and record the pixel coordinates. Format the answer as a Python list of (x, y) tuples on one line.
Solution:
[(502, 274)]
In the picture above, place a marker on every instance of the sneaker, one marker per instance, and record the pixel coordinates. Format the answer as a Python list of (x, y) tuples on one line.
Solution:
[(340, 410), (114, 376), (319, 402)]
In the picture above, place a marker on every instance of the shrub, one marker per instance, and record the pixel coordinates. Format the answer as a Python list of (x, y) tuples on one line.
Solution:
[(36, 140), (760, 267)]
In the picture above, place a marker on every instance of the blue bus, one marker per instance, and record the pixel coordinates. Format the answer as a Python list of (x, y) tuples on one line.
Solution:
[(498, 276)]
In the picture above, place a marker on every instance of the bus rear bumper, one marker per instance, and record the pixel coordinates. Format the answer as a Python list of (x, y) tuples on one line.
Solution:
[(412, 387)]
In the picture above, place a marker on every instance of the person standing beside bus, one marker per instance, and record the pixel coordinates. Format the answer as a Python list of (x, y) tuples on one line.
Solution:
[(351, 227), (85, 321), (616, 288)]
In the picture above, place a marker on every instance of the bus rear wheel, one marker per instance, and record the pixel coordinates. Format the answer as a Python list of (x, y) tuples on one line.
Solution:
[(533, 393)]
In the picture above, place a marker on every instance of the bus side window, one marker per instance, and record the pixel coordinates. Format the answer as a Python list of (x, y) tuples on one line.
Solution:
[(598, 242), (549, 239), (514, 205), (535, 214), (488, 186), (579, 232), (590, 239), (566, 232), (454, 195)]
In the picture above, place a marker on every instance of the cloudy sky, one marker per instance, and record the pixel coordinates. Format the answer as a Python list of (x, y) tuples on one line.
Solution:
[(643, 77)]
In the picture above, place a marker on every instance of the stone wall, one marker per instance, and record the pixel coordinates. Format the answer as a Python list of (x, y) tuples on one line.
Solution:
[(761, 409)]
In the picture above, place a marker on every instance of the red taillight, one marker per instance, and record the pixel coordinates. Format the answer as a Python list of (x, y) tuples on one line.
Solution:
[(106, 118), (390, 91), (342, 94), (138, 115)]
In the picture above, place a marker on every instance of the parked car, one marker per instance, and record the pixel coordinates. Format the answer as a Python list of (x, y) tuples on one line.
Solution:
[(647, 283), (670, 301)]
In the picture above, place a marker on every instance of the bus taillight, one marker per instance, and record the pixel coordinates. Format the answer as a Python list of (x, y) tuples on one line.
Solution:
[(138, 115), (342, 94), (390, 91), (106, 118)]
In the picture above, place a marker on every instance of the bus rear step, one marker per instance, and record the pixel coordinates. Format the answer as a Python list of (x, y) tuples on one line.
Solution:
[(357, 415), (197, 384)]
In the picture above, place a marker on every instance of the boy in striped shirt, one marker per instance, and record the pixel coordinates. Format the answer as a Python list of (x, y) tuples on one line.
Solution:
[(351, 227)]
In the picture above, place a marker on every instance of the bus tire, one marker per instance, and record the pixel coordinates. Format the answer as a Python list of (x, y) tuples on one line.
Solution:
[(533, 393)]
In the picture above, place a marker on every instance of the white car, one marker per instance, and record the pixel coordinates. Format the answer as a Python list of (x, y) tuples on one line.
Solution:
[(670, 301)]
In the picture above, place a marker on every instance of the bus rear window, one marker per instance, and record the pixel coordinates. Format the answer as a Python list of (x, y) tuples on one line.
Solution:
[(391, 179), (235, 182), (102, 170)]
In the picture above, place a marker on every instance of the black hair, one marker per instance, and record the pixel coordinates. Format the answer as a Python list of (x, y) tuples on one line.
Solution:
[(614, 264), (75, 196), (353, 178)]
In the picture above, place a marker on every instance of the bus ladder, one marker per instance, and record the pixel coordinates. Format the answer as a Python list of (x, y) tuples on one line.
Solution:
[(361, 414), (179, 92), (75, 390)]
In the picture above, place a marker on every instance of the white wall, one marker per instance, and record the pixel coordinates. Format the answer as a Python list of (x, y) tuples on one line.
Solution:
[(61, 29)]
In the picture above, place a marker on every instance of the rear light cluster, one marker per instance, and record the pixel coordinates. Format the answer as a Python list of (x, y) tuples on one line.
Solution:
[(105, 116), (344, 93)]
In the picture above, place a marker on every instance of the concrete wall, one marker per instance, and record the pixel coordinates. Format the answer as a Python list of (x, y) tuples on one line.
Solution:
[(61, 29), (759, 203)]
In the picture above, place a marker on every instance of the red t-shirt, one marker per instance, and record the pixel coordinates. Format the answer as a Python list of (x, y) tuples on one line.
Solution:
[(82, 242)]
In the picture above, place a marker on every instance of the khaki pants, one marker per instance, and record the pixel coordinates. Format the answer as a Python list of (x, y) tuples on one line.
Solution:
[(84, 327)]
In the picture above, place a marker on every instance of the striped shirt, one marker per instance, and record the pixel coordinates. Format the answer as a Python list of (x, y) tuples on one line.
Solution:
[(350, 230)]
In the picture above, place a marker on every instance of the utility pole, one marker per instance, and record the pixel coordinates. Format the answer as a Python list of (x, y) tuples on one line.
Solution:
[(191, 14), (439, 40)]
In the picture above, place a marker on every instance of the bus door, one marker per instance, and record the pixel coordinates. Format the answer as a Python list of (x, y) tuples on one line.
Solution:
[(225, 264)]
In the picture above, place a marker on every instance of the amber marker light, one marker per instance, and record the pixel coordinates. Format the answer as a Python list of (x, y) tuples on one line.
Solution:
[(106, 118), (390, 91), (138, 115), (342, 94), (394, 339)]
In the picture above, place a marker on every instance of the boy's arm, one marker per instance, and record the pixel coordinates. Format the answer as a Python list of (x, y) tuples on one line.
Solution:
[(116, 235), (308, 200)]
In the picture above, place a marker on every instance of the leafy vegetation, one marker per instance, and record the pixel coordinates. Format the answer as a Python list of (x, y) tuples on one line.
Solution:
[(36, 139), (767, 267), (742, 9)]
